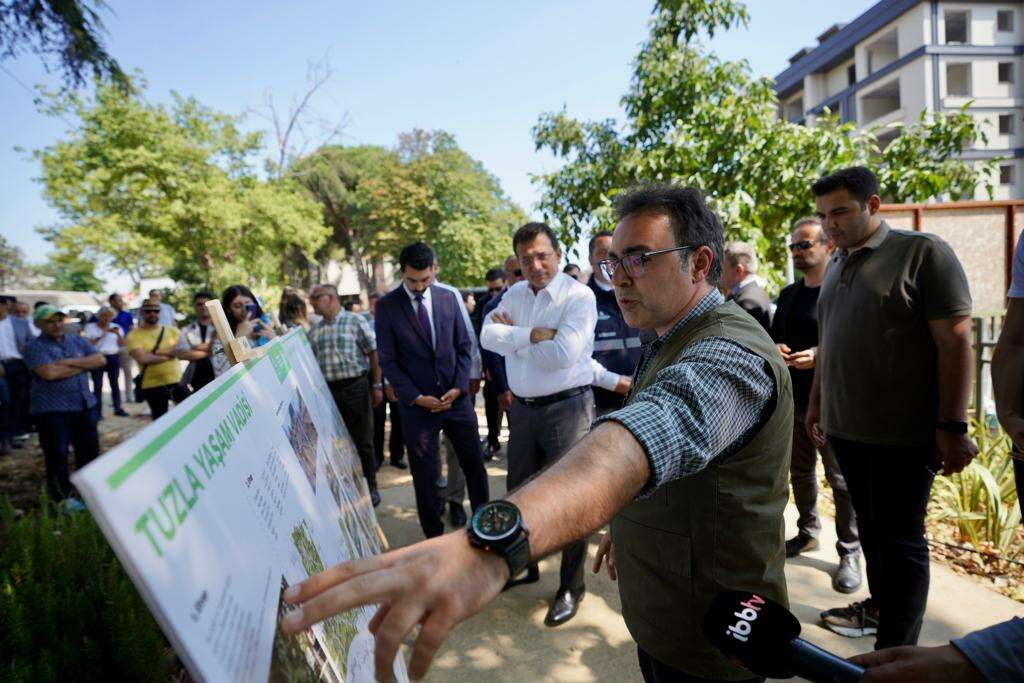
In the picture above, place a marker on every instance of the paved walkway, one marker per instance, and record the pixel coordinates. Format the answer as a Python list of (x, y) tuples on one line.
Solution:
[(509, 642)]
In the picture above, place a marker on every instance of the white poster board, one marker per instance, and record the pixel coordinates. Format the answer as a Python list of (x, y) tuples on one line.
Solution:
[(249, 486)]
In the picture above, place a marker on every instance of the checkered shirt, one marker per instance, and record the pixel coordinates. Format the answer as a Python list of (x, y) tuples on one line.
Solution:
[(341, 345), (709, 403)]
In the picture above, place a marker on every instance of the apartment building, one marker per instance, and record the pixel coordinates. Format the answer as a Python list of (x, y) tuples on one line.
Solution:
[(904, 56)]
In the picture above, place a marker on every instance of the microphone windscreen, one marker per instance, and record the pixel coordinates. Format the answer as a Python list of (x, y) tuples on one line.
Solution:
[(753, 631)]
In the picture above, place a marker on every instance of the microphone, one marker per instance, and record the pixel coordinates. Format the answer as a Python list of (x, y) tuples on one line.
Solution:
[(763, 636)]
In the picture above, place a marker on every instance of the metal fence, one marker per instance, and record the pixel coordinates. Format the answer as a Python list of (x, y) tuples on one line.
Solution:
[(985, 333)]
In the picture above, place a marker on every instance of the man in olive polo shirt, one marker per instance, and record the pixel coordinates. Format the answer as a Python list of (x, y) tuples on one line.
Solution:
[(890, 392)]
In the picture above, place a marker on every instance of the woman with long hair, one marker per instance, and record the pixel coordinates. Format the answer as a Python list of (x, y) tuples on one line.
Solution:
[(246, 319), (293, 310)]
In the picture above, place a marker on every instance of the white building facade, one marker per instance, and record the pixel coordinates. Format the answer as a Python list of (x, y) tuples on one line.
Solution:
[(902, 57)]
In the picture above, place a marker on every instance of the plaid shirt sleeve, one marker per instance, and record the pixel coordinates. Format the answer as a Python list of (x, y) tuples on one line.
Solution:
[(705, 405), (367, 339)]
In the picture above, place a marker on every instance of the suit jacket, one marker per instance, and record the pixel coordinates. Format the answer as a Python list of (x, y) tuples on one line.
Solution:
[(754, 300), (494, 363), (409, 363)]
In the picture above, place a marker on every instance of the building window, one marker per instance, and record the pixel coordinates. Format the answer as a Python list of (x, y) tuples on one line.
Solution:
[(1006, 72), (880, 102), (795, 110), (1006, 174), (1004, 20), (957, 22), (958, 80), (851, 74), (1006, 124)]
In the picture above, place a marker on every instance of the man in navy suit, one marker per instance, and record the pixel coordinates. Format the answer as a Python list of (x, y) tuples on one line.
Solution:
[(425, 351)]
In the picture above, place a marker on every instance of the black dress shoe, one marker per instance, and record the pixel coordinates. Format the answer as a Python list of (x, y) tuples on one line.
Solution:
[(800, 543), (456, 514), (563, 607), (399, 464), (847, 576), (532, 575), (374, 496)]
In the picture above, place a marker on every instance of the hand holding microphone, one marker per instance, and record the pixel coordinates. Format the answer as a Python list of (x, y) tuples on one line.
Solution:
[(763, 636)]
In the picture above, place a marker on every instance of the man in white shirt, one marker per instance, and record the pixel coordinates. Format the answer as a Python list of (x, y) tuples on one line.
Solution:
[(14, 336), (544, 327), (168, 317)]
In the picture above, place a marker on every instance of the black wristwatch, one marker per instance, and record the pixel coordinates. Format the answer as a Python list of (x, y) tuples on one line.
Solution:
[(952, 426), (498, 526)]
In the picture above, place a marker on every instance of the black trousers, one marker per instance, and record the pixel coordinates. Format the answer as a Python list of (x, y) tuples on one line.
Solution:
[(421, 429), (352, 396), (1018, 471), (57, 432), (890, 487), (657, 672), (159, 398), (493, 411), (18, 383), (380, 417)]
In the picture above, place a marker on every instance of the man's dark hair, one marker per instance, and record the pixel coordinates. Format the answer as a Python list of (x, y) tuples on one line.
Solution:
[(6, 299), (110, 299), (599, 233), (202, 294), (569, 267), (418, 256), (373, 296), (529, 232), (859, 181), (692, 221), (38, 304), (495, 274)]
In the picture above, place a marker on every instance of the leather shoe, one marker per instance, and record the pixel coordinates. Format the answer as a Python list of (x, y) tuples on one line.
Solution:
[(456, 514), (532, 575), (399, 464), (563, 607), (800, 543), (374, 496), (847, 576)]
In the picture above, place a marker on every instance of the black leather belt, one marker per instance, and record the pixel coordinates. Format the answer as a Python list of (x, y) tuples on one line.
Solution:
[(345, 381), (537, 401)]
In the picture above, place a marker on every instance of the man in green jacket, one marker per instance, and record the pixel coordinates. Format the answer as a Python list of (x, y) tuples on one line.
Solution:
[(693, 470)]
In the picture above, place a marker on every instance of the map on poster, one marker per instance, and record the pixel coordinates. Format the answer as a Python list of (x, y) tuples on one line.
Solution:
[(248, 487)]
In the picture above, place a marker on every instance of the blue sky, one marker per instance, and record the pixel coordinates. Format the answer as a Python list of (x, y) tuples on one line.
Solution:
[(483, 71)]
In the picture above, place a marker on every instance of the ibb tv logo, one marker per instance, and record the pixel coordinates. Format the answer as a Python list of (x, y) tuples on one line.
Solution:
[(741, 629)]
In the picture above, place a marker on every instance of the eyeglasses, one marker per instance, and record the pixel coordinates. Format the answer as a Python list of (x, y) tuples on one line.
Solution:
[(804, 245), (634, 264)]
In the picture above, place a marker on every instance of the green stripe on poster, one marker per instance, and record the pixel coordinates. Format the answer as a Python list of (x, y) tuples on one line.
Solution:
[(121, 474)]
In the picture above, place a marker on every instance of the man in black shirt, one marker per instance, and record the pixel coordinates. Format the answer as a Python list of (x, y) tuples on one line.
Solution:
[(795, 330)]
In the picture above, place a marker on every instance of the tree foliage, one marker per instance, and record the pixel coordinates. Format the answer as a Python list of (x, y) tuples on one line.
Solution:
[(695, 119), (66, 33), (149, 190), (377, 200)]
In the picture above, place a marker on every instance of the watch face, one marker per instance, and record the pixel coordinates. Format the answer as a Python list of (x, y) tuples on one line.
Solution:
[(496, 520)]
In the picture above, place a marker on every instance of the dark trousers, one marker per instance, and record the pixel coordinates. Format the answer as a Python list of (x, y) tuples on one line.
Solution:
[(18, 382), (422, 429), (112, 369), (538, 436), (1018, 472), (890, 487), (352, 396), (395, 445), (58, 431), (658, 672), (493, 411), (804, 479), (159, 398)]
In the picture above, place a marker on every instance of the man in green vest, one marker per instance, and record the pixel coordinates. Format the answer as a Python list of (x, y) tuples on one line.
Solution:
[(692, 472)]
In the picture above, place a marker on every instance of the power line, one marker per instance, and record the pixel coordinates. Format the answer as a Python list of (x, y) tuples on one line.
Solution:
[(32, 92)]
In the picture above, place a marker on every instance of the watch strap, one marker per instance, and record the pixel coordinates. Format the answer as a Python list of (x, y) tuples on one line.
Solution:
[(517, 554), (952, 426)]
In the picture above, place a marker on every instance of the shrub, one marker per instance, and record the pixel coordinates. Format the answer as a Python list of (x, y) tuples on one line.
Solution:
[(68, 610), (982, 500)]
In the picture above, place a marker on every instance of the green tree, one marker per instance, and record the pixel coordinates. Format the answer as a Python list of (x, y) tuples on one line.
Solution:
[(377, 200), (70, 272), (693, 118), (146, 189), (12, 264), (64, 32)]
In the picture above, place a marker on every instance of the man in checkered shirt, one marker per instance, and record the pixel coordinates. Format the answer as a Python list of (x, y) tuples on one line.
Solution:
[(692, 472), (346, 349)]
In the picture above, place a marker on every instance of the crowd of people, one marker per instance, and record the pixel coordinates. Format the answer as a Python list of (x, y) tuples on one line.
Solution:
[(665, 394), (670, 397)]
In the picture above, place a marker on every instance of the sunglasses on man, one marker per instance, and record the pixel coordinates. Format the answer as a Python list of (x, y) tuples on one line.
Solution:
[(804, 245)]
